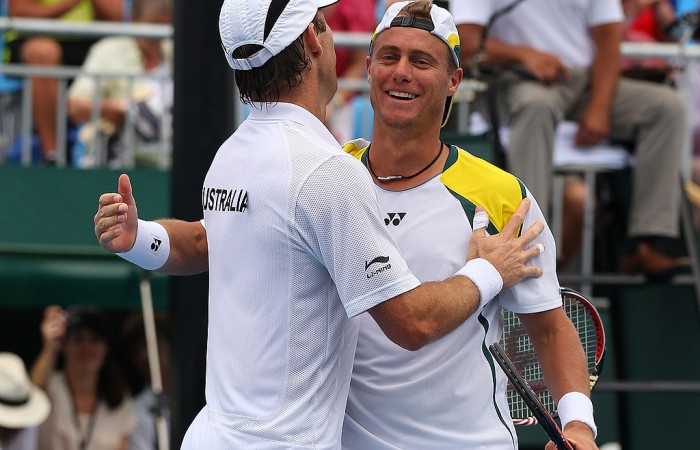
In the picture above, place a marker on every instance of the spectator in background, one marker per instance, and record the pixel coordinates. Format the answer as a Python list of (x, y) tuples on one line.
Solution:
[(91, 407), (647, 21), (54, 51), (570, 53), (152, 94), (350, 106), (147, 403), (23, 406)]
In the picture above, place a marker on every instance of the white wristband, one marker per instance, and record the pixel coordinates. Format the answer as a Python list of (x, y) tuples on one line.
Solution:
[(152, 246), (576, 406), (486, 278)]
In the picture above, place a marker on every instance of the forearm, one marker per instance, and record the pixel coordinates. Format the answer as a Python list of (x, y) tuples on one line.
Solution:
[(605, 70), (189, 254), (499, 52), (43, 367), (428, 312), (559, 351)]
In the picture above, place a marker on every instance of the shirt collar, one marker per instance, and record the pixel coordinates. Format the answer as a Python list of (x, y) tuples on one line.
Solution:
[(294, 113)]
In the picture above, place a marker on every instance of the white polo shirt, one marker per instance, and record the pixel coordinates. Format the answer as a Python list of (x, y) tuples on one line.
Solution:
[(560, 27), (296, 246)]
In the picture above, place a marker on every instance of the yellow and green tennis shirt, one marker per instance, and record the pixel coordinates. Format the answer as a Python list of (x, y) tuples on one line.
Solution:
[(448, 394)]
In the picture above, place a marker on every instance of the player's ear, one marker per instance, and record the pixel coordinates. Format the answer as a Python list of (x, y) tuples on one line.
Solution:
[(312, 41), (455, 80)]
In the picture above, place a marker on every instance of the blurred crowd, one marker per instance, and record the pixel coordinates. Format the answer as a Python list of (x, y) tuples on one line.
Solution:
[(90, 387), (98, 115)]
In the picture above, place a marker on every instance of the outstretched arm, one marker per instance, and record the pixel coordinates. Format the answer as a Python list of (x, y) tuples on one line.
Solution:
[(117, 226)]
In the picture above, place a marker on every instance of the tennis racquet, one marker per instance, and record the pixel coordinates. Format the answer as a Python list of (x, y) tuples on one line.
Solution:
[(528, 396), (518, 347)]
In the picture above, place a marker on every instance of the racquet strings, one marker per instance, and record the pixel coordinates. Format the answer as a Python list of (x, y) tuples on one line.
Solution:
[(519, 348)]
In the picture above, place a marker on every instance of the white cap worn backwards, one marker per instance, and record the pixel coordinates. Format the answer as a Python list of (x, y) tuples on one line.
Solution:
[(441, 25), (272, 24)]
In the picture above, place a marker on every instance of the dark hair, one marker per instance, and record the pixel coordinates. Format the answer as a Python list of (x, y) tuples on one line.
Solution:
[(111, 384), (281, 72)]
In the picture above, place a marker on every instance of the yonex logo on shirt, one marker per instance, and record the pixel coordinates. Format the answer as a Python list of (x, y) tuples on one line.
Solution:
[(393, 218)]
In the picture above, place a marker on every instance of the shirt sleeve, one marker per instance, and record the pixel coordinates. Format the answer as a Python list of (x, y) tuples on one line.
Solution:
[(339, 220), (475, 12), (605, 11), (536, 294)]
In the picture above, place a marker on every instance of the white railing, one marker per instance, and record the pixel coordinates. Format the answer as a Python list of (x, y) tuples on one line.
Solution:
[(677, 54), (23, 72)]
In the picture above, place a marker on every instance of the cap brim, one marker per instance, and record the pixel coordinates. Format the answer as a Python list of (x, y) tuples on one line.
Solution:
[(31, 414), (324, 3)]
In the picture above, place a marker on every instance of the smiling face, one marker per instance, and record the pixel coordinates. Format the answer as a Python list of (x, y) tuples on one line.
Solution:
[(410, 77)]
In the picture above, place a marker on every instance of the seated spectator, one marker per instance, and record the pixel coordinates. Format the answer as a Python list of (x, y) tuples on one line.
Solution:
[(570, 70), (151, 94), (54, 51), (148, 404), (91, 408), (647, 21), (23, 406)]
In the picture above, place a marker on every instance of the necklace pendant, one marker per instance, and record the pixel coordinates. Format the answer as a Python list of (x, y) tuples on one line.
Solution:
[(389, 178)]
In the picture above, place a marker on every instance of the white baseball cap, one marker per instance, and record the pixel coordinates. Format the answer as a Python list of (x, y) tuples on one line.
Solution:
[(272, 24), (441, 25), (22, 404)]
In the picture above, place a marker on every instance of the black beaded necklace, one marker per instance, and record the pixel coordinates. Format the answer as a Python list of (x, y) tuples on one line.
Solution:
[(402, 177)]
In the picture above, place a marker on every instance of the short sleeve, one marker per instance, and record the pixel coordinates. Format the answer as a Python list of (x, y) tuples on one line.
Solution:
[(475, 12), (338, 218), (536, 294)]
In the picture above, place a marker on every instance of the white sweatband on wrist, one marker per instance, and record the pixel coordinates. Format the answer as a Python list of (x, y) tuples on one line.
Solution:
[(576, 406), (152, 246), (486, 278)]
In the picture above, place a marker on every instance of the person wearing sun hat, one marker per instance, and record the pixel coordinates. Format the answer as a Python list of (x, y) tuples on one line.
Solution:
[(23, 406), (446, 395), (285, 276)]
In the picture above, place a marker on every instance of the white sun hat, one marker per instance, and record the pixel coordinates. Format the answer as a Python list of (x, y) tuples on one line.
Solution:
[(22, 404), (272, 24)]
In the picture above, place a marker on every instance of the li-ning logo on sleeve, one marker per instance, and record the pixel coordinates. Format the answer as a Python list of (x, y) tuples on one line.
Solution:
[(156, 244), (377, 260), (393, 219), (217, 199)]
